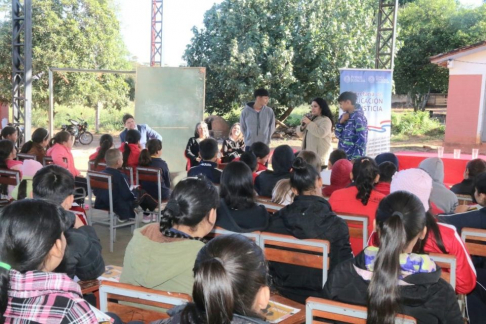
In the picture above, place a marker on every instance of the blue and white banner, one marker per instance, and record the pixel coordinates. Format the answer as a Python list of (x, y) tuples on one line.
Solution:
[(374, 90)]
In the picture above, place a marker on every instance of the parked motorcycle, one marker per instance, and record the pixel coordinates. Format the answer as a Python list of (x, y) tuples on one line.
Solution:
[(78, 129)]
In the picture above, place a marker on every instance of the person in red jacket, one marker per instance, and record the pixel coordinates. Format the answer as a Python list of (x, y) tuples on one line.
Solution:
[(387, 170), (441, 238), (106, 143), (360, 198), (131, 148)]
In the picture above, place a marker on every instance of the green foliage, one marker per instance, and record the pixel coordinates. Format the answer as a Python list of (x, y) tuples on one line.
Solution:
[(416, 123), (428, 28), (110, 118), (77, 34), (294, 48)]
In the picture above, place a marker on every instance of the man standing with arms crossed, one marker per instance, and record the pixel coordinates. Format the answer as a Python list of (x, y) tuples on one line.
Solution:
[(257, 120)]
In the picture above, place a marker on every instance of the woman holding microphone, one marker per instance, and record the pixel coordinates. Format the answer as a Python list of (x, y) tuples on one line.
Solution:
[(316, 130)]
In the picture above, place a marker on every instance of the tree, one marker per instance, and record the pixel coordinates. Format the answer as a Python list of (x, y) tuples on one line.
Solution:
[(428, 28), (292, 47), (77, 34)]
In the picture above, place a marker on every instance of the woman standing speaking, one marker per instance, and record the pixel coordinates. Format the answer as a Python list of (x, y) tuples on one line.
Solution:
[(316, 130)]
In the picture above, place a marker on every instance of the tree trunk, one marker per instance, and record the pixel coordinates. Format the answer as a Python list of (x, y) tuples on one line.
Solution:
[(286, 114)]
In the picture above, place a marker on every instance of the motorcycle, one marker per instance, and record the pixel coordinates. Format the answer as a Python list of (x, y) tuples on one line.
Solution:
[(78, 129)]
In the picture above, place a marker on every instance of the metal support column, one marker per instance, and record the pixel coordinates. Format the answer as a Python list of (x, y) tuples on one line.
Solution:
[(22, 64), (385, 36), (156, 33)]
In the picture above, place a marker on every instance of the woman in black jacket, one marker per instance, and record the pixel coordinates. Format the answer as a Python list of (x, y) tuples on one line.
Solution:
[(282, 160), (238, 211), (192, 148), (309, 217), (391, 279)]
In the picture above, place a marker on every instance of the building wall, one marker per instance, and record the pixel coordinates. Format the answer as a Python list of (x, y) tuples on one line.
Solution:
[(463, 109)]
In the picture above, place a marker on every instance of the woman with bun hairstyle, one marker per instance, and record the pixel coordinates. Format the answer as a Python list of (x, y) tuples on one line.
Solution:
[(161, 256), (131, 148), (37, 145), (32, 245), (360, 198), (106, 143), (230, 284), (390, 279), (309, 217)]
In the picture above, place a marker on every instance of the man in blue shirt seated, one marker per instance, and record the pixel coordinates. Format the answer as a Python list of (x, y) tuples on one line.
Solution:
[(146, 132), (208, 150)]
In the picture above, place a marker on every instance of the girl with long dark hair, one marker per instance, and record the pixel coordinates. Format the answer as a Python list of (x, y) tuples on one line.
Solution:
[(316, 130), (131, 148), (360, 198), (392, 280), (231, 284), (161, 256), (32, 245), (238, 211), (37, 145), (106, 143)]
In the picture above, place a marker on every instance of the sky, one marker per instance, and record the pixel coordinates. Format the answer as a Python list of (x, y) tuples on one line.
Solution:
[(179, 18)]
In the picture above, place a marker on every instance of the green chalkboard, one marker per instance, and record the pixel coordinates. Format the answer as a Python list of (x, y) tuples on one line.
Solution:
[(171, 101)]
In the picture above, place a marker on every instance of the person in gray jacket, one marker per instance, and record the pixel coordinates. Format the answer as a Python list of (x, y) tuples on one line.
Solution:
[(257, 120)]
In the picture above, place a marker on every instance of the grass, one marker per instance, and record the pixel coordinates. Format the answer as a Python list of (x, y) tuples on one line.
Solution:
[(110, 119)]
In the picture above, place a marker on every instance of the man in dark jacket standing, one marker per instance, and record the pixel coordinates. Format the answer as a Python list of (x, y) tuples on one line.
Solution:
[(257, 120), (82, 257), (145, 131)]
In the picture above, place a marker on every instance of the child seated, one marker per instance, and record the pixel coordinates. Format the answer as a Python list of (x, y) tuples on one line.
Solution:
[(106, 143), (250, 159), (123, 198), (387, 157), (340, 178), (392, 275), (238, 210), (387, 170), (8, 153), (282, 160), (309, 217), (32, 247), (335, 156), (83, 252), (239, 268), (161, 256), (131, 148), (473, 169), (208, 149), (262, 153), (37, 145)]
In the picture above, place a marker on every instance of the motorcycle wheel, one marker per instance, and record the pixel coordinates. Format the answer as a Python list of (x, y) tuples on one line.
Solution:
[(86, 138)]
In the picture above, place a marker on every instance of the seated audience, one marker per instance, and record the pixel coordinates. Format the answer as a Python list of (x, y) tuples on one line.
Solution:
[(37, 145), (8, 153), (390, 279), (340, 177), (192, 149), (387, 157), (83, 252), (360, 198), (242, 291), (440, 238), (161, 256), (250, 159), (131, 149), (282, 193), (106, 143), (466, 186), (309, 217), (208, 166), (441, 196), (335, 156), (282, 160), (32, 245), (234, 145), (123, 198), (10, 133), (387, 170), (24, 189), (238, 210), (262, 153)]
